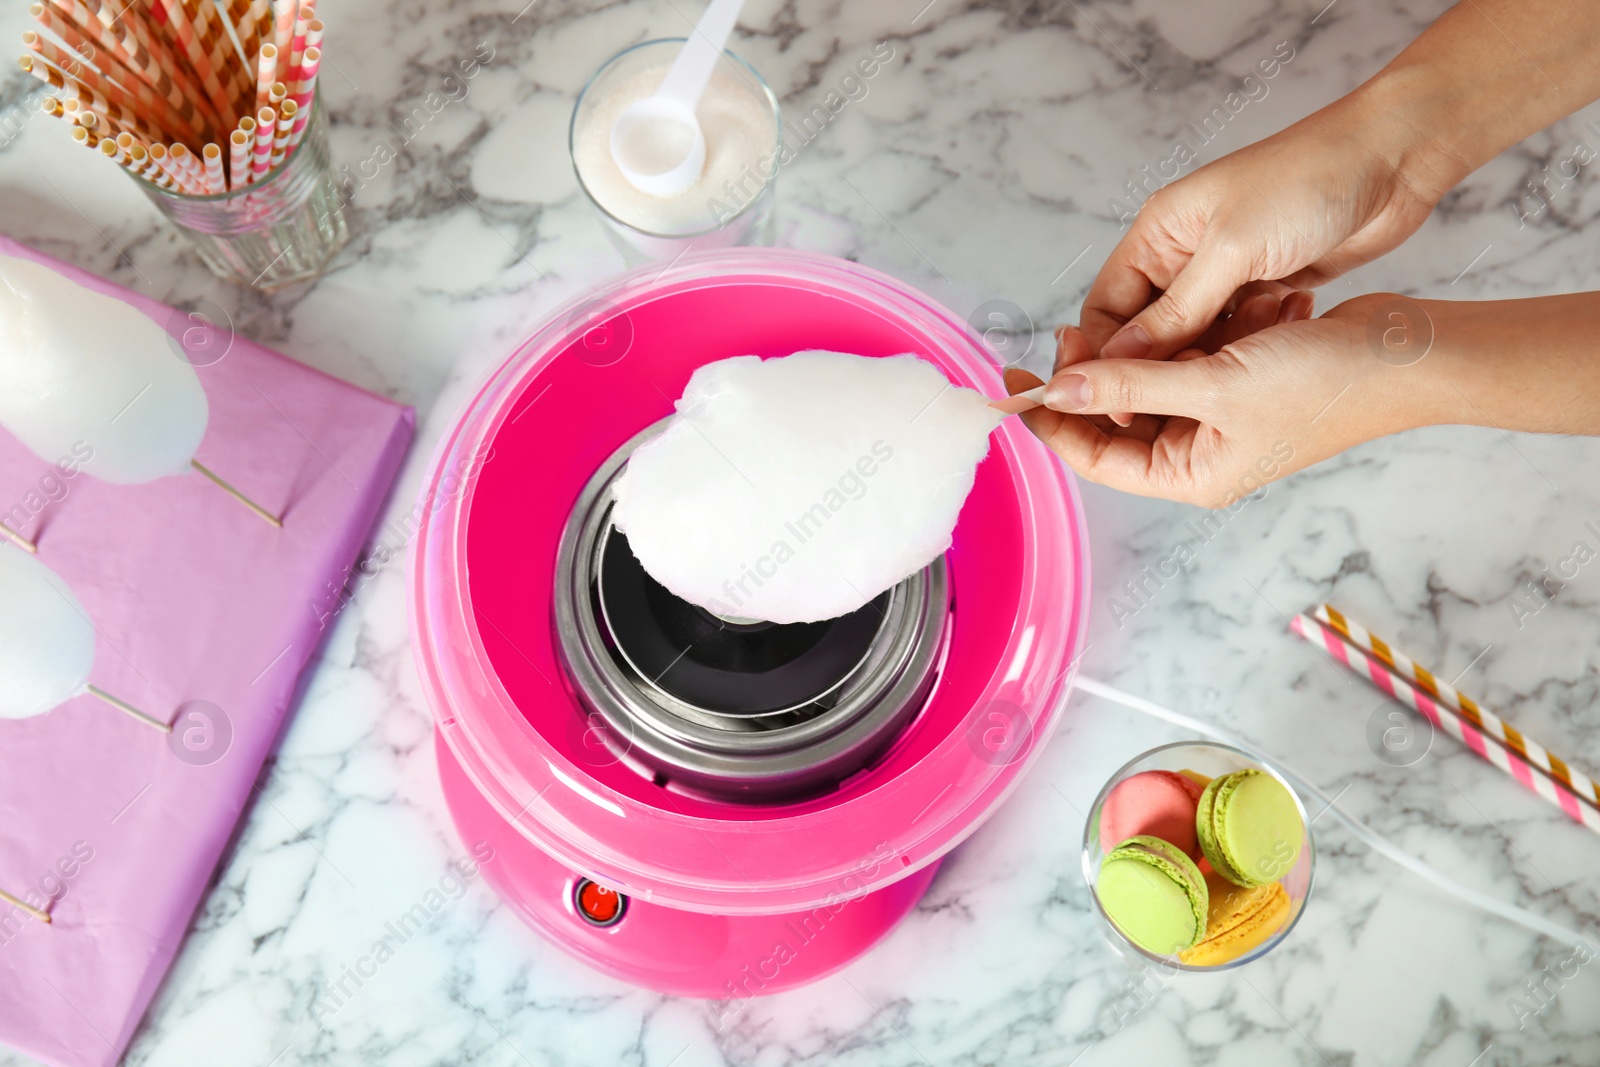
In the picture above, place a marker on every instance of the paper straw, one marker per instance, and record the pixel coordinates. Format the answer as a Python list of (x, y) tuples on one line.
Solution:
[(140, 103), (146, 167), (163, 160), (233, 79), (297, 48), (1469, 709), (150, 54), (239, 145), (113, 61), (280, 139), (266, 129), (185, 37), (1374, 670), (277, 94), (309, 65), (241, 15), (283, 36), (266, 71), (211, 157)]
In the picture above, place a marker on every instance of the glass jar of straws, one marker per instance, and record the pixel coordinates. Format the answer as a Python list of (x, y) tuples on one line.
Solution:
[(166, 87), (282, 228)]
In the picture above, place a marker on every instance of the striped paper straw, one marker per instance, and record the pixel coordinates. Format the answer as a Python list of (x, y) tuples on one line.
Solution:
[(239, 146), (280, 139), (277, 93), (289, 73), (147, 169), (266, 129), (111, 61), (216, 181), (1368, 666), (302, 91), (106, 91), (266, 72), (174, 173), (283, 36), (1451, 697)]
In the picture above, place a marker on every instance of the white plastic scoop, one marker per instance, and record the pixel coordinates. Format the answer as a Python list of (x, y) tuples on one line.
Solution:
[(657, 142)]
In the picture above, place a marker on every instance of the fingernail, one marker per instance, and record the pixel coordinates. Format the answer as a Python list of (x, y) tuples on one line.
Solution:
[(1262, 312), (1068, 392), (1297, 305), (1131, 342)]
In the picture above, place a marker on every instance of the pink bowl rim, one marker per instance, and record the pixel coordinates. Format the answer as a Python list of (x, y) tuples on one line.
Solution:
[(614, 838)]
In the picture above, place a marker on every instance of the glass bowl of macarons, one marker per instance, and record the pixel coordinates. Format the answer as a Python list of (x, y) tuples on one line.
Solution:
[(1198, 857)]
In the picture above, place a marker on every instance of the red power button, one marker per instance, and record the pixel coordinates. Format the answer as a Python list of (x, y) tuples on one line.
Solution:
[(597, 904)]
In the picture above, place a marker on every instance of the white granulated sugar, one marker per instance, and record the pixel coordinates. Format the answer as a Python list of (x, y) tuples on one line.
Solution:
[(741, 140), (798, 488)]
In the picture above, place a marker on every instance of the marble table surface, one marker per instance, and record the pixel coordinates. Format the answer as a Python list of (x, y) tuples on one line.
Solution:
[(986, 162)]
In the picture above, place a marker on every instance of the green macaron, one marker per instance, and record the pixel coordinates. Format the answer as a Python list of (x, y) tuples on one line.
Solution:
[(1249, 827), (1154, 894)]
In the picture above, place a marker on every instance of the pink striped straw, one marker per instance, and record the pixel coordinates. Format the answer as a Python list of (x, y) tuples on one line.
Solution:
[(283, 37), (183, 159), (308, 91), (1360, 662), (278, 93), (216, 181), (266, 72), (297, 48), (239, 145), (266, 126)]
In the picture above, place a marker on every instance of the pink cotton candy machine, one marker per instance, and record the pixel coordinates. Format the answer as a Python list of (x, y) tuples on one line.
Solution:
[(700, 807)]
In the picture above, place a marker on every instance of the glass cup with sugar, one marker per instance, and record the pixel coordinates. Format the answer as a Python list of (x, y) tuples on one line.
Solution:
[(730, 203)]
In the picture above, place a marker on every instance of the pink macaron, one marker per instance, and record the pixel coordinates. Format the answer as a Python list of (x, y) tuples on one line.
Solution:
[(1152, 804)]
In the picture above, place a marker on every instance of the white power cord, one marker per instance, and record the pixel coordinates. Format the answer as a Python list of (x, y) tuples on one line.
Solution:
[(1382, 846)]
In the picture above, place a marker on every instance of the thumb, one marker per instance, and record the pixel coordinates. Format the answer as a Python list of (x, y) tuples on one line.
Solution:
[(1146, 386), (1197, 295)]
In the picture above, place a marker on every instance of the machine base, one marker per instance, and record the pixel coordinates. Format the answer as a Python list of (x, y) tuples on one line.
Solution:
[(683, 953)]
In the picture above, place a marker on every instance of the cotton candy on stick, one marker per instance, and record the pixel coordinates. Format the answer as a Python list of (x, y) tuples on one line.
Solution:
[(79, 366), (799, 488), (46, 643)]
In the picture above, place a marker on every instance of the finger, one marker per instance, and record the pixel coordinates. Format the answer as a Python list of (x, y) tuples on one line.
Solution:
[(1297, 305), (1249, 290), (1071, 347), (1120, 462), (1154, 387), (1256, 315), (1193, 299), (1019, 384)]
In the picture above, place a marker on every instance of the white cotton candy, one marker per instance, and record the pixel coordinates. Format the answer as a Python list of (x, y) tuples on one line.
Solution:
[(798, 488), (77, 366), (46, 640)]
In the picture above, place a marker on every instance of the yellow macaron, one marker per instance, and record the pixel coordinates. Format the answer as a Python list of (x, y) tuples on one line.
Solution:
[(1238, 919)]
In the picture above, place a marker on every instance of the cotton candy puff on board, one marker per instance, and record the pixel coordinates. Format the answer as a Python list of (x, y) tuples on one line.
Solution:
[(798, 488)]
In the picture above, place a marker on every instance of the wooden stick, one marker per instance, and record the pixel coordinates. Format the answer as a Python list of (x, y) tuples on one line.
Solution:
[(17, 539), (124, 706), (240, 497), (42, 916)]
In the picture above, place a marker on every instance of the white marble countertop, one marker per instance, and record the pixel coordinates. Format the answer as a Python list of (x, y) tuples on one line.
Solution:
[(980, 165)]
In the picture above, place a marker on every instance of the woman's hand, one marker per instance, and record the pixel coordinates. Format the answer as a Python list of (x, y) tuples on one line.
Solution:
[(1299, 208), (1216, 427)]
